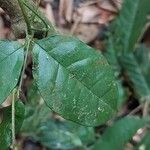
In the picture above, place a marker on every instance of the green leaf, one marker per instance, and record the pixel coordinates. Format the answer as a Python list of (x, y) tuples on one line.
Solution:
[(145, 143), (86, 134), (74, 80), (64, 135), (112, 58), (137, 67), (129, 24), (142, 56), (54, 133), (125, 33), (111, 55), (5, 125), (11, 60), (35, 114), (116, 136), (33, 95)]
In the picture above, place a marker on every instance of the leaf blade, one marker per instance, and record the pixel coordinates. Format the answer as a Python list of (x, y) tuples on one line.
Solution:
[(136, 66), (5, 125), (129, 25), (116, 136), (72, 68), (11, 61)]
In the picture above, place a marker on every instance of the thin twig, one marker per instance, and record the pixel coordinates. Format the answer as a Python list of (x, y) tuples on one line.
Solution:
[(13, 120), (29, 40), (89, 3), (136, 109), (75, 25), (145, 109)]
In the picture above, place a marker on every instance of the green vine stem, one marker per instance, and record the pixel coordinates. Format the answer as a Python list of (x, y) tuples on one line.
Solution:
[(13, 120), (28, 44), (29, 38), (27, 48)]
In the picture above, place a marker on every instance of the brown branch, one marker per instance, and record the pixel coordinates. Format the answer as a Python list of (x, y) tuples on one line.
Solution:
[(11, 7), (18, 24)]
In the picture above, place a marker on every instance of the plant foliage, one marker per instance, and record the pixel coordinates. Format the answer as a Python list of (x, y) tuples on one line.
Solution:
[(76, 82), (5, 125), (116, 136), (74, 75)]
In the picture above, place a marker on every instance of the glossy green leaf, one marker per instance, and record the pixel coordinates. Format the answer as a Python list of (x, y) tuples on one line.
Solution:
[(116, 136), (129, 24), (5, 125), (137, 67), (74, 80), (11, 60)]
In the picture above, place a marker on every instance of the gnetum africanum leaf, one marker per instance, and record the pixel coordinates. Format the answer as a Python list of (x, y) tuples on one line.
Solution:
[(138, 77), (11, 60), (137, 66), (116, 136), (74, 80), (5, 125), (129, 24)]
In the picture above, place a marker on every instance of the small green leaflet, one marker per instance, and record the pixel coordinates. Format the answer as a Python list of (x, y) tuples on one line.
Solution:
[(5, 125), (74, 80), (116, 136), (11, 61)]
